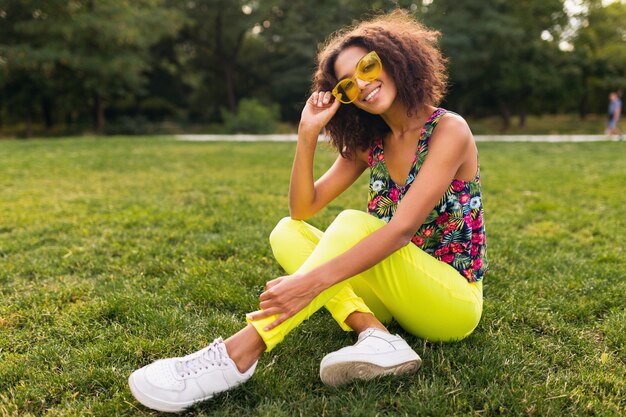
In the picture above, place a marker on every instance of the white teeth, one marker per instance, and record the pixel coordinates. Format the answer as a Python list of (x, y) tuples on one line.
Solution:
[(372, 94)]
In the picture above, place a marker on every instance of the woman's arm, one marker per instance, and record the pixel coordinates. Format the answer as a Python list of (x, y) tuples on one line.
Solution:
[(449, 148), (307, 197)]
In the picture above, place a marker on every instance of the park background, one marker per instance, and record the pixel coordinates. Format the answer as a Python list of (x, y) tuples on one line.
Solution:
[(120, 244), (215, 66)]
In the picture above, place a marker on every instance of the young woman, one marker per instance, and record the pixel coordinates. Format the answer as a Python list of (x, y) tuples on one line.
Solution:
[(417, 257)]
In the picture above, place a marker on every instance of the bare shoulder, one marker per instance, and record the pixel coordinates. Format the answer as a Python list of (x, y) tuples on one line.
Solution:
[(452, 130), (360, 156)]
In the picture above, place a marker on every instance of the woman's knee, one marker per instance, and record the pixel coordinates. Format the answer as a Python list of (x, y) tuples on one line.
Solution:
[(282, 230), (355, 217), (356, 220)]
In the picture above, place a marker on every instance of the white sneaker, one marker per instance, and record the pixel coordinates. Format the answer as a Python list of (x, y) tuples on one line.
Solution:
[(375, 353), (174, 384)]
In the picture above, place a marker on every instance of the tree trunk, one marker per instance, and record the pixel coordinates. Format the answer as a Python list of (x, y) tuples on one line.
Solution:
[(505, 113), (584, 98), (29, 124), (522, 119), (230, 89), (582, 106), (98, 114), (46, 110), (228, 59)]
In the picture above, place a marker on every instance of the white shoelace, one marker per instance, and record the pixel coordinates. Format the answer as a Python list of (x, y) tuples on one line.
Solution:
[(214, 354)]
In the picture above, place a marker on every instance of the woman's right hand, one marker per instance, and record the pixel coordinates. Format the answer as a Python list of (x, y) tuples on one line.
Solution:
[(317, 112)]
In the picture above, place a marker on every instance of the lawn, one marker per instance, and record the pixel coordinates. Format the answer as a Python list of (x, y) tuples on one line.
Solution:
[(547, 124), (115, 252)]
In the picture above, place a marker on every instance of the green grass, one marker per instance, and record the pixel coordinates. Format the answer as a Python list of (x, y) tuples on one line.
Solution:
[(115, 252), (548, 124)]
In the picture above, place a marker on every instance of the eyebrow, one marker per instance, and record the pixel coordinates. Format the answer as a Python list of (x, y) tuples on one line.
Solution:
[(344, 77), (354, 72), (357, 64)]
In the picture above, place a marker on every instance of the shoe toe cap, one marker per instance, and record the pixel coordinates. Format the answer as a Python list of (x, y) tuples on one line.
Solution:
[(161, 375), (152, 396), (155, 381)]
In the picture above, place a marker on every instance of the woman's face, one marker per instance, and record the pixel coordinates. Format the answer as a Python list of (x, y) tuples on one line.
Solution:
[(376, 96)]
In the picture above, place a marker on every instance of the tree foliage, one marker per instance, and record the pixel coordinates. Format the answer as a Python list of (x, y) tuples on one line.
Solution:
[(600, 50), (89, 50), (67, 62), (501, 56)]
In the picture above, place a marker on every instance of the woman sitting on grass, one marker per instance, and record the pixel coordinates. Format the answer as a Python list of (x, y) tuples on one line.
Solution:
[(417, 257)]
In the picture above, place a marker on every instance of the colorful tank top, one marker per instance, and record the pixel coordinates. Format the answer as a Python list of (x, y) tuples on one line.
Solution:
[(454, 232)]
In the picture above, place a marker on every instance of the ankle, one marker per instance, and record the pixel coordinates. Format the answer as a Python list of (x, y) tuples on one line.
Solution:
[(362, 329), (243, 363), (360, 322), (245, 348)]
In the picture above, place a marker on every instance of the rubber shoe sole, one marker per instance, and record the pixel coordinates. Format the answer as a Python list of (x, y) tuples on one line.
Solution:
[(160, 405), (346, 372)]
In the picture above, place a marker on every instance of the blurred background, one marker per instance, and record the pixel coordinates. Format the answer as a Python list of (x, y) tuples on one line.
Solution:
[(224, 66)]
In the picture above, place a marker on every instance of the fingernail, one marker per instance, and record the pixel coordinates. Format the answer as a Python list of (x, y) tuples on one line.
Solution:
[(266, 328)]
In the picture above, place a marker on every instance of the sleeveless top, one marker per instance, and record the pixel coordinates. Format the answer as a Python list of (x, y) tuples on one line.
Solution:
[(454, 232), (613, 105)]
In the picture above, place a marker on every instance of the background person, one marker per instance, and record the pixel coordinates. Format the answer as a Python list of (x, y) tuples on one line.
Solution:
[(614, 113), (417, 256)]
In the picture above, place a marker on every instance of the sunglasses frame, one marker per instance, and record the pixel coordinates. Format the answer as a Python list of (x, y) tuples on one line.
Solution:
[(358, 74)]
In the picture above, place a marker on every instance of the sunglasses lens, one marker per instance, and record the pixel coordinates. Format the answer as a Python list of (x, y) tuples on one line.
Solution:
[(369, 67), (346, 91)]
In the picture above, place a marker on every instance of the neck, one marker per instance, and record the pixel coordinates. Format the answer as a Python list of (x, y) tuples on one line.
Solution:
[(402, 125)]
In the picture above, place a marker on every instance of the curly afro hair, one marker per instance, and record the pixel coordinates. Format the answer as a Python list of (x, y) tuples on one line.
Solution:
[(411, 57)]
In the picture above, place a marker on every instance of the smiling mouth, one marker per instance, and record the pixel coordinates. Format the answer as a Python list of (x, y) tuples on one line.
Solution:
[(372, 94)]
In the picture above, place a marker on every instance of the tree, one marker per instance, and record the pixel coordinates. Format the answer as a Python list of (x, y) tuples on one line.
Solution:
[(600, 50), (293, 32), (501, 56), (103, 46)]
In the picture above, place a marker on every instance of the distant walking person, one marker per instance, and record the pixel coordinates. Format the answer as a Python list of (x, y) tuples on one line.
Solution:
[(615, 110)]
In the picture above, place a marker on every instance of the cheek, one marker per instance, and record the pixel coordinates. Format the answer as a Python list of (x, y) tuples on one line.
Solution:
[(391, 86), (390, 93)]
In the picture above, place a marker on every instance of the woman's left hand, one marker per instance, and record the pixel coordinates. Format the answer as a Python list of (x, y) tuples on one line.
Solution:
[(285, 296)]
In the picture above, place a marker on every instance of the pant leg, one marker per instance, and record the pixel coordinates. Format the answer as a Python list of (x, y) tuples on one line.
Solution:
[(428, 298), (293, 241)]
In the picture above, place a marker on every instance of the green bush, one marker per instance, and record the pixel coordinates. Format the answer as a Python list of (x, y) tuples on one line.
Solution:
[(156, 108), (252, 117), (128, 125)]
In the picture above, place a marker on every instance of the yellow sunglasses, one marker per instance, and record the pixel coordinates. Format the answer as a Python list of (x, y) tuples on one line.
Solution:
[(367, 69)]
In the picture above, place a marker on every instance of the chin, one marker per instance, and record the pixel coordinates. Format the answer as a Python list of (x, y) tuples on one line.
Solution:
[(379, 107)]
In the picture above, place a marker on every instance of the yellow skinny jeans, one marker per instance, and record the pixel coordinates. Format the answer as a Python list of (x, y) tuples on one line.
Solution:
[(427, 297)]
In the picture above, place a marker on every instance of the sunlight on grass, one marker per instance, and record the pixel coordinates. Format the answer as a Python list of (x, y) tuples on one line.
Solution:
[(115, 252)]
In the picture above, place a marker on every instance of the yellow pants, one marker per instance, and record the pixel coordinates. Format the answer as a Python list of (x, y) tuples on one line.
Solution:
[(427, 297)]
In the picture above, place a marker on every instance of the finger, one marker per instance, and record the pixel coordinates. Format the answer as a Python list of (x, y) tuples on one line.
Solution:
[(313, 98), (320, 98), (272, 283), (264, 305), (266, 295), (258, 315), (327, 96), (276, 322)]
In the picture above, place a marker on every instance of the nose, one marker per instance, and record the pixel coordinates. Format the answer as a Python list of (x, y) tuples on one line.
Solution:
[(361, 83)]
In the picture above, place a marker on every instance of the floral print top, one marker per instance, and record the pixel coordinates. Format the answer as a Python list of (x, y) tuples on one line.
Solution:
[(454, 232)]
